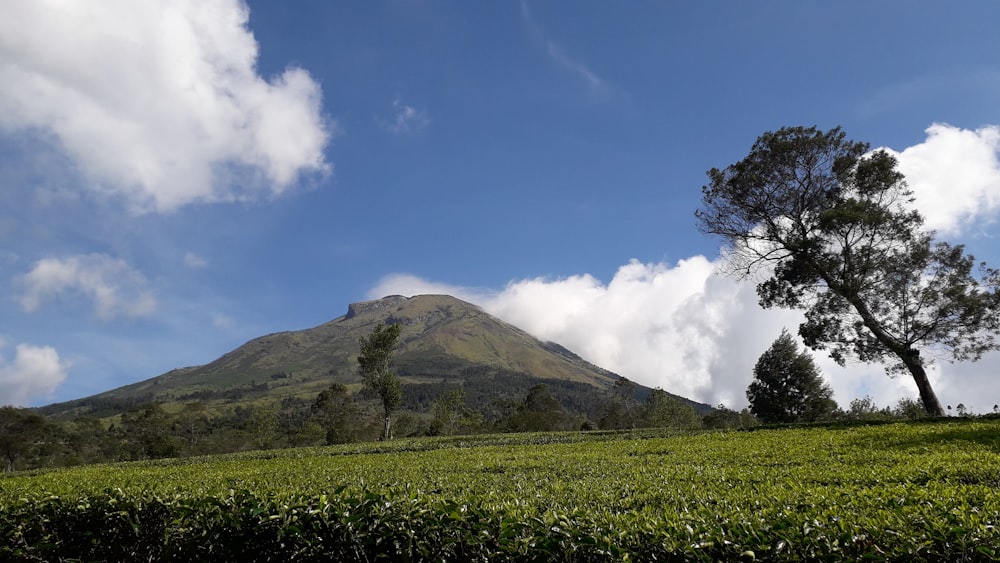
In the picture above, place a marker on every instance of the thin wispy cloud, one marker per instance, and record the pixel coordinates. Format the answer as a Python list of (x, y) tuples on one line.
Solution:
[(405, 120), (596, 86)]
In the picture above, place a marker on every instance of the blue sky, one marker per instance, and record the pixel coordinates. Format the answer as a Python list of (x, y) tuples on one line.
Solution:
[(179, 177)]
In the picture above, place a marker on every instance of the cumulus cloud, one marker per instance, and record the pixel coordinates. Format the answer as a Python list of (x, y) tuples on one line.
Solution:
[(34, 373), (159, 102), (679, 327), (406, 119), (688, 329), (954, 175), (115, 288), (684, 328)]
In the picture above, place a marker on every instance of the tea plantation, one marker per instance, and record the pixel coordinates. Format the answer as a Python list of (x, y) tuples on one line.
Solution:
[(922, 491)]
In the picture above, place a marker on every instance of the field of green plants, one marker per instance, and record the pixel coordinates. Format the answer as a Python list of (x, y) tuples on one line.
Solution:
[(925, 491)]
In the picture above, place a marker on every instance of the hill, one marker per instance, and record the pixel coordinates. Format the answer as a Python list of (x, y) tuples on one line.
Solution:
[(445, 342)]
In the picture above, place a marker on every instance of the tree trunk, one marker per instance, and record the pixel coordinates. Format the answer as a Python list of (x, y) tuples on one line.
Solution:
[(386, 434), (909, 356), (927, 396)]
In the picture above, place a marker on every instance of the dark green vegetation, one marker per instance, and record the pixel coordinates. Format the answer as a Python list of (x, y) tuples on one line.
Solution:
[(787, 386), (922, 491), (831, 226)]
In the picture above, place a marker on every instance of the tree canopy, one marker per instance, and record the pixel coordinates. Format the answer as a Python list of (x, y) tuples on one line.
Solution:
[(375, 368), (831, 226), (787, 386), (335, 411)]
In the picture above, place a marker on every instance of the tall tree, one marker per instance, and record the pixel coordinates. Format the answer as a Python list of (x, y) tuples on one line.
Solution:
[(832, 228), (787, 386), (375, 367)]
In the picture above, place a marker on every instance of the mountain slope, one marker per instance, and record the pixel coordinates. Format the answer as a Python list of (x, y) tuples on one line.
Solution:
[(444, 342)]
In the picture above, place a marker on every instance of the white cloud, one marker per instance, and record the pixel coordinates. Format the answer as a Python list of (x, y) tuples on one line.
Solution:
[(693, 332), (115, 287), (954, 175), (193, 261), (408, 285), (406, 119), (159, 102), (35, 372), (688, 330)]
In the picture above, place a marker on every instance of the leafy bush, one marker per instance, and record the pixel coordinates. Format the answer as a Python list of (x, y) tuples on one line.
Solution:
[(922, 491)]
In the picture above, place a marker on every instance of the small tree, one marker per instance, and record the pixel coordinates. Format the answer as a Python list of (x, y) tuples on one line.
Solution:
[(865, 409), (449, 415), (20, 429), (335, 411), (909, 409), (620, 413), (147, 431), (539, 412), (724, 417), (375, 368), (660, 410), (787, 386), (263, 425)]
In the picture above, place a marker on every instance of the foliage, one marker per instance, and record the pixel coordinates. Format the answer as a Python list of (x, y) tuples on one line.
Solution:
[(832, 225), (723, 417), (20, 430), (864, 408), (621, 410), (449, 415), (375, 368), (335, 411), (538, 412), (893, 492), (147, 433), (660, 410), (787, 386), (907, 408)]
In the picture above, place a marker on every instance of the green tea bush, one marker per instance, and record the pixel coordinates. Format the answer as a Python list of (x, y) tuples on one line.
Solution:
[(900, 492)]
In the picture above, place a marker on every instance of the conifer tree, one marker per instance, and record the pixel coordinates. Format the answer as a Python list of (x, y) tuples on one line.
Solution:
[(787, 386)]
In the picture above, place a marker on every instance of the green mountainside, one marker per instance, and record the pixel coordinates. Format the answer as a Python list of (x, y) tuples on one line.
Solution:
[(445, 342)]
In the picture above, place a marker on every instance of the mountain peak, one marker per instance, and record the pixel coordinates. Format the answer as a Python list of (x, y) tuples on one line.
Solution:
[(375, 306)]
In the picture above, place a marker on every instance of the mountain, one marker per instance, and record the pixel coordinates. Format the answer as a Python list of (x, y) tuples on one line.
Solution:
[(444, 343)]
